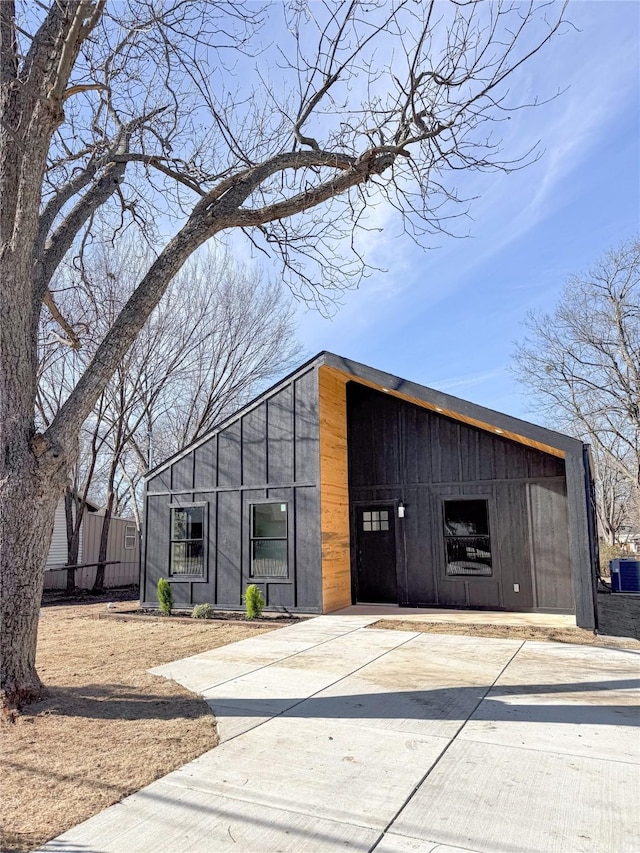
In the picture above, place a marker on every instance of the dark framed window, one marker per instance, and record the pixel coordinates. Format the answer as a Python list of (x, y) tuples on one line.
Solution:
[(467, 539), (268, 540), (187, 542)]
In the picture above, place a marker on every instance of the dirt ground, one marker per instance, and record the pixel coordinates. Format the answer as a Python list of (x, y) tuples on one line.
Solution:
[(107, 727), (510, 632)]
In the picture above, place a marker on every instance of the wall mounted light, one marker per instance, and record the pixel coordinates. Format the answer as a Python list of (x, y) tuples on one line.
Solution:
[(400, 510)]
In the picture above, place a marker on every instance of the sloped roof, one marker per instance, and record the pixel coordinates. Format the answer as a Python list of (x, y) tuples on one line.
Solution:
[(515, 429)]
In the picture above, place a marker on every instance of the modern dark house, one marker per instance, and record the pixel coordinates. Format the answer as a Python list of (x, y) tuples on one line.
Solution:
[(345, 484)]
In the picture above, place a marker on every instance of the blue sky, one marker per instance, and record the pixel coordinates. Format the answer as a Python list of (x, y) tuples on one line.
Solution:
[(448, 317)]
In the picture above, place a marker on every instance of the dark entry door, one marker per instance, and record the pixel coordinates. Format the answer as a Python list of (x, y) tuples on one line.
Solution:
[(376, 554)]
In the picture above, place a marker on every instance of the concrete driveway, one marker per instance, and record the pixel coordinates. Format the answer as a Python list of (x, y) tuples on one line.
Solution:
[(337, 736)]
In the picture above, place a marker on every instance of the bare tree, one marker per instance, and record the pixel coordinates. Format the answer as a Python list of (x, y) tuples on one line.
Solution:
[(614, 499), (172, 117), (246, 340), (219, 334), (582, 364)]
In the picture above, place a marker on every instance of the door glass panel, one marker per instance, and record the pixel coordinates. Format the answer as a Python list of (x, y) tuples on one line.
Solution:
[(375, 520)]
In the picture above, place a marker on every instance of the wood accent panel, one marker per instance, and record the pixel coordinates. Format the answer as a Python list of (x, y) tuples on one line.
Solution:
[(334, 489), (346, 377)]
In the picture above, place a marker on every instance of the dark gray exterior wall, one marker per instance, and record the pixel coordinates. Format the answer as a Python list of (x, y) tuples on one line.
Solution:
[(270, 451), (398, 451)]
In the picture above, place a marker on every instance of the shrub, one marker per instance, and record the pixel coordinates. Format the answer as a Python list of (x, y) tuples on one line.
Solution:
[(253, 601), (609, 552), (203, 611), (165, 596)]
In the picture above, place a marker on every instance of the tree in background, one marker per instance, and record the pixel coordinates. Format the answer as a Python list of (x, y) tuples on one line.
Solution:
[(581, 363), (183, 119), (220, 333)]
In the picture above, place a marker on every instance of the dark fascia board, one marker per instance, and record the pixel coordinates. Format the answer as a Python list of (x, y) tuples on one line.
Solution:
[(273, 389), (437, 399)]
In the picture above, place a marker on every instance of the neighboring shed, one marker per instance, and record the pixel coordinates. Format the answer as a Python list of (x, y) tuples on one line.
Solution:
[(343, 483), (123, 551)]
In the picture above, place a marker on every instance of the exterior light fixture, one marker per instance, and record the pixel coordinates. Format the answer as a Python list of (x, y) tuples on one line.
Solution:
[(400, 510)]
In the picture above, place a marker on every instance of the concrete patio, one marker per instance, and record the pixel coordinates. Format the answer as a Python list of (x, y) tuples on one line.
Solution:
[(338, 736), (461, 617)]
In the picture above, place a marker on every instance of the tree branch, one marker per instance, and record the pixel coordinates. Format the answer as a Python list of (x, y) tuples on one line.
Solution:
[(73, 339)]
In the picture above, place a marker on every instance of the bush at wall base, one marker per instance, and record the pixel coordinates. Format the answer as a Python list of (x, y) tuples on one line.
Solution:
[(165, 596), (203, 611), (253, 601)]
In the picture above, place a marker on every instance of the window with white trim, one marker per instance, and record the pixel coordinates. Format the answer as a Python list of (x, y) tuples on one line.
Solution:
[(130, 537)]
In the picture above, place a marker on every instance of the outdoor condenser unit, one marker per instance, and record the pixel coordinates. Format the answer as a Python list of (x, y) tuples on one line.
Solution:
[(625, 575)]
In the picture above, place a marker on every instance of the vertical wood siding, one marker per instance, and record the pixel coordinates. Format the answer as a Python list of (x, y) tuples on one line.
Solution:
[(398, 451), (269, 452), (334, 491)]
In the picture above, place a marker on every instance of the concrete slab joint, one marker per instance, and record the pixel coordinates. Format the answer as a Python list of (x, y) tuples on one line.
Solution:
[(338, 736)]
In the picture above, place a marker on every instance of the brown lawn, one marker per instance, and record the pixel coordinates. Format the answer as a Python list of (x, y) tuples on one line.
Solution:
[(107, 727), (510, 632)]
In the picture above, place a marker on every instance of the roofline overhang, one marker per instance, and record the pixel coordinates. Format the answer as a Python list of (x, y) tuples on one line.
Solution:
[(497, 423)]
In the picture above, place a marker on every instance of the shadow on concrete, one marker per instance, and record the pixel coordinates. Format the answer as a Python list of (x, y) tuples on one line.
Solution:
[(450, 703)]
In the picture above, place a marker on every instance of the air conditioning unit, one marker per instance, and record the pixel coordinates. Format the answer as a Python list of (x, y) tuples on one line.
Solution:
[(625, 575)]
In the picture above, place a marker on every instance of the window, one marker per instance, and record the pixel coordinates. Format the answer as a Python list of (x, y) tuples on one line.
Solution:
[(377, 519), (129, 537), (269, 541), (466, 538), (187, 542)]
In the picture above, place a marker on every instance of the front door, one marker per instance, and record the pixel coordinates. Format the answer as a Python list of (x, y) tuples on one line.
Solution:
[(376, 554)]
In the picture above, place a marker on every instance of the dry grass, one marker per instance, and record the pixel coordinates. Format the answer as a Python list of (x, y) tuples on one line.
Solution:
[(508, 632), (107, 727)]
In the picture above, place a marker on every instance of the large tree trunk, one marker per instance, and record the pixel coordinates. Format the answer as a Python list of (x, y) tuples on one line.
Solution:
[(27, 508), (30, 487)]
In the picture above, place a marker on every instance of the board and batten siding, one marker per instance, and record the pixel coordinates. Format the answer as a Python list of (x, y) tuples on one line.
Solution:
[(317, 444), (399, 451), (269, 452)]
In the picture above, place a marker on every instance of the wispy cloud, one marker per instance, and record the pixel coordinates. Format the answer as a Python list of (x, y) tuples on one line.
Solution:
[(468, 380)]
